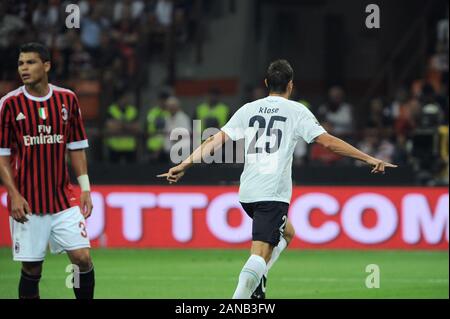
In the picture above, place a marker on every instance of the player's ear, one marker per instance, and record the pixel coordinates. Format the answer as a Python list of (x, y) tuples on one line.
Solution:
[(47, 66), (290, 86), (265, 82)]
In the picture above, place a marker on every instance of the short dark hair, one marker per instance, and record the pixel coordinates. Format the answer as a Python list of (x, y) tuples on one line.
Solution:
[(279, 74), (38, 48)]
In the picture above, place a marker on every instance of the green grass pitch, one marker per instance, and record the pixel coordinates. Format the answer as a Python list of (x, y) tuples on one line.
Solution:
[(298, 274)]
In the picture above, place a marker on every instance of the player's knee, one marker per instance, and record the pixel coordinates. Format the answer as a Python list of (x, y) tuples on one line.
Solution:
[(32, 268), (83, 261)]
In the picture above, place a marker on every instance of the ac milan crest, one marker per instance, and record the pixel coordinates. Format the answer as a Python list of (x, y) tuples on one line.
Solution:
[(64, 113)]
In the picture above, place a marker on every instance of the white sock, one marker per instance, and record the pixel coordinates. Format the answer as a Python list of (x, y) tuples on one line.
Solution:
[(275, 254), (250, 277)]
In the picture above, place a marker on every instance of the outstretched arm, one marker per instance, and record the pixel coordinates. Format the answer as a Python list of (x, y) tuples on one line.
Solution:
[(211, 144), (79, 165), (340, 147)]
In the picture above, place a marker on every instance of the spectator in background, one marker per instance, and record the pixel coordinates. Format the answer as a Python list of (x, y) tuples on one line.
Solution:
[(108, 52), (438, 68), (212, 112), (401, 151), (85, 7), (126, 36), (375, 143), (338, 113), (320, 155), (91, 30), (122, 130), (178, 124), (369, 141), (10, 26), (163, 11), (116, 79), (46, 15), (155, 126), (181, 25), (442, 98), (64, 43), (405, 110), (385, 149), (80, 62), (133, 8), (431, 115), (442, 31), (379, 116)]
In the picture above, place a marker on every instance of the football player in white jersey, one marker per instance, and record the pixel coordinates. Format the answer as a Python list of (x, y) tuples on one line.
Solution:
[(271, 128)]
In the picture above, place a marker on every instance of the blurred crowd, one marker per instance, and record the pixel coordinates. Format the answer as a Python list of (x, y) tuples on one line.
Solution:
[(115, 39), (118, 38), (409, 130)]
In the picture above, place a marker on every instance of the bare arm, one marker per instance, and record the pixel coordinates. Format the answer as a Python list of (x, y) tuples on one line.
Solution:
[(7, 175), (19, 206), (213, 143), (79, 165), (340, 147), (79, 162)]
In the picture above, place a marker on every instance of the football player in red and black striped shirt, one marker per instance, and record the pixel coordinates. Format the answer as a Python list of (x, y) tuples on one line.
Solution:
[(39, 123)]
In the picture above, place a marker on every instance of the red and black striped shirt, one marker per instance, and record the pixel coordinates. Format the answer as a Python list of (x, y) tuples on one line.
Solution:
[(35, 132)]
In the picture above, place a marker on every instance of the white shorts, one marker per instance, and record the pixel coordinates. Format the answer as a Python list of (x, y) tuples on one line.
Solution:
[(64, 231)]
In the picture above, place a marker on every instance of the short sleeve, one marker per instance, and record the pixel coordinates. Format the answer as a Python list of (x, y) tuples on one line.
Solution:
[(5, 130), (308, 127), (77, 135), (235, 127)]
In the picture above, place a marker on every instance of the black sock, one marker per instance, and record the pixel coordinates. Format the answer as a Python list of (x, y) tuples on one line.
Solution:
[(87, 283), (29, 286)]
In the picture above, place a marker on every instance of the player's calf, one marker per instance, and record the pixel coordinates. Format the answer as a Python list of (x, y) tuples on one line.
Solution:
[(85, 273), (289, 232), (29, 280), (262, 249)]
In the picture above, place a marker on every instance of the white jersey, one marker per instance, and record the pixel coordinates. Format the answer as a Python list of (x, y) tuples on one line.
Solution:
[(271, 128)]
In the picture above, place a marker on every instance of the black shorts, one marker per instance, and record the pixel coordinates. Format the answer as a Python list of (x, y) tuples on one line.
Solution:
[(269, 220)]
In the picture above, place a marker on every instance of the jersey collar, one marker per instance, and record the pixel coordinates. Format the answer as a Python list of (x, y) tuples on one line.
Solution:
[(275, 97), (36, 98)]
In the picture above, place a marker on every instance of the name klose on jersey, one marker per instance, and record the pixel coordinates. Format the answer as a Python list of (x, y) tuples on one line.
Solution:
[(44, 137), (268, 110)]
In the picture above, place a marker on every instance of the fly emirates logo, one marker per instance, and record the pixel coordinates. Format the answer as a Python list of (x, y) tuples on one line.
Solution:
[(45, 137)]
